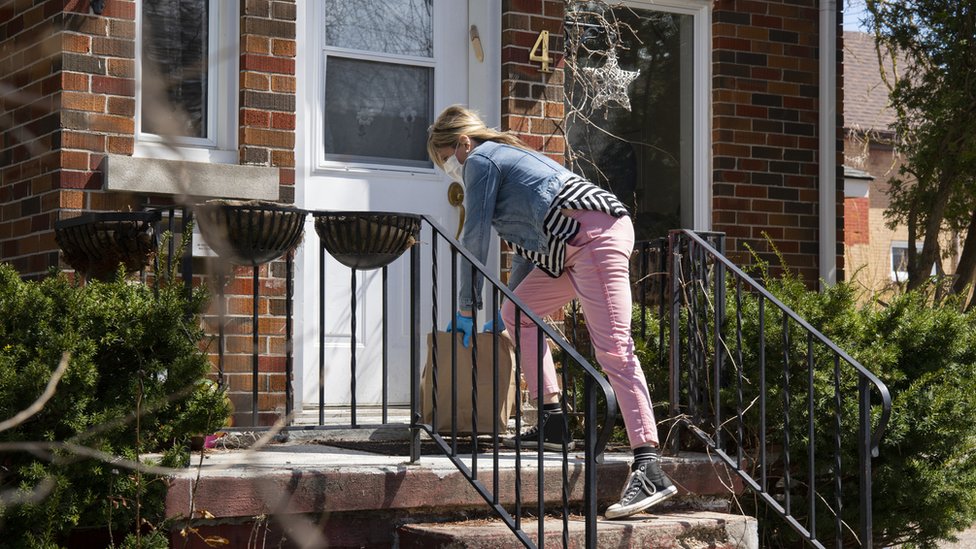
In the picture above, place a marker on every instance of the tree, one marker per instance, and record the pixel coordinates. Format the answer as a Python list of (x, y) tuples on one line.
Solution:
[(933, 96)]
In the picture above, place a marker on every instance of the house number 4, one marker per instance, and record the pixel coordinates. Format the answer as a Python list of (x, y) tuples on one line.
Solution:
[(541, 44)]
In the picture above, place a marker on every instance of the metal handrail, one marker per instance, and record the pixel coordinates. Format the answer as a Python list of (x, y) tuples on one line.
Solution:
[(693, 253), (595, 385)]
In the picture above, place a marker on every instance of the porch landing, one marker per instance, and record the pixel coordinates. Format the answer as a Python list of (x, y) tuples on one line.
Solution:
[(358, 498)]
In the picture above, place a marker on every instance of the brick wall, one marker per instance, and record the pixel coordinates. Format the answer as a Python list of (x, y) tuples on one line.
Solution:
[(72, 102), (266, 138), (532, 100), (856, 228), (267, 88), (765, 130)]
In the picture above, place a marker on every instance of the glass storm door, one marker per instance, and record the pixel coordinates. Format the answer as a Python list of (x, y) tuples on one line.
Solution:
[(654, 156)]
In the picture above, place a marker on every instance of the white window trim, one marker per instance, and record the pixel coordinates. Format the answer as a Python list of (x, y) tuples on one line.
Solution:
[(700, 195), (222, 95), (901, 276), (321, 165)]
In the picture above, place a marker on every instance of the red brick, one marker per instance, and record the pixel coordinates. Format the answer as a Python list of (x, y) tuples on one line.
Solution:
[(123, 68), (120, 10), (255, 81), (82, 140), (112, 124), (80, 180), (74, 160), (120, 145), (74, 81), (283, 121), (286, 177), (283, 84), (257, 118), (82, 102), (269, 138), (284, 48), (113, 47), (119, 28), (526, 6), (78, 43), (113, 85), (282, 158), (123, 106), (257, 44), (95, 161), (263, 63)]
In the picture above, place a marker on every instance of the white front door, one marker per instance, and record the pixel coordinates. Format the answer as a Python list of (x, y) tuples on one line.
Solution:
[(373, 75)]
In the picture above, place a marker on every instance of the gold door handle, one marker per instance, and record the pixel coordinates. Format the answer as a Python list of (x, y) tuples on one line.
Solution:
[(455, 197)]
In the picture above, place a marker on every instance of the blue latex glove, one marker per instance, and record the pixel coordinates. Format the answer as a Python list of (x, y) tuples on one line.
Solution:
[(463, 324), (497, 321)]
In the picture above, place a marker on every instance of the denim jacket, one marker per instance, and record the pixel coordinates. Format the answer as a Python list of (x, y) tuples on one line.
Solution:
[(510, 189)]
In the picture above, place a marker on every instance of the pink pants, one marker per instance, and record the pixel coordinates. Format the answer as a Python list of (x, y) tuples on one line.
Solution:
[(597, 273)]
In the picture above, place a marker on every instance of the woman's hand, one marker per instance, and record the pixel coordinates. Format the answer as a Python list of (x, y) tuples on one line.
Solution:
[(491, 324), (463, 324)]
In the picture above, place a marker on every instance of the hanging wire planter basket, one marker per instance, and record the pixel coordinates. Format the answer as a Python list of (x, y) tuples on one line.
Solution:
[(366, 240), (250, 232), (95, 244)]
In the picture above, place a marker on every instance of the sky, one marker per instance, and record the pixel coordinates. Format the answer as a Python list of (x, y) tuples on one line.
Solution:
[(853, 12)]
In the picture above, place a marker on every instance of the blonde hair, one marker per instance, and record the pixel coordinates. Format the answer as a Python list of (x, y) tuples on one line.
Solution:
[(456, 121)]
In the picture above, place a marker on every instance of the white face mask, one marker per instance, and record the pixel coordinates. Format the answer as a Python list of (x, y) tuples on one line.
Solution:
[(453, 169)]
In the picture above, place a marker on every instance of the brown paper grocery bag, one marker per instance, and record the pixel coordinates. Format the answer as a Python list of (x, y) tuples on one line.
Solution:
[(506, 383)]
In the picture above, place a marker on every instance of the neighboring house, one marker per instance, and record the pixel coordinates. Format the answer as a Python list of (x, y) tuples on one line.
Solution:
[(875, 255), (325, 105)]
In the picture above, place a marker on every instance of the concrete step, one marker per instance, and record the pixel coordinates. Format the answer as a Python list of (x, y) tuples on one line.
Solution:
[(674, 529), (352, 497)]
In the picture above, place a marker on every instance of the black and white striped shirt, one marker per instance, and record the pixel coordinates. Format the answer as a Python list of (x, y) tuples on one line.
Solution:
[(576, 194)]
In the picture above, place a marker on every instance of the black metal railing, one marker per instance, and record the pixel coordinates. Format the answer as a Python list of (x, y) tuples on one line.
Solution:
[(476, 450), (792, 414), (748, 379), (596, 392)]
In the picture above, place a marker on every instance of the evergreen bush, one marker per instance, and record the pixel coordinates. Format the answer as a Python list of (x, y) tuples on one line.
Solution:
[(924, 479), (136, 383)]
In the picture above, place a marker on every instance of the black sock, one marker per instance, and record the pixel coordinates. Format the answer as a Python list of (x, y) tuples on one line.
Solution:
[(553, 408), (645, 454)]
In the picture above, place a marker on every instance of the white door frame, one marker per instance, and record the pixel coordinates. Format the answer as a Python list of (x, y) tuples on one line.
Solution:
[(362, 183)]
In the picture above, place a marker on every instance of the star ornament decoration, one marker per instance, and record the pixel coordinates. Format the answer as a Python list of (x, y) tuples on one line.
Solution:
[(610, 82)]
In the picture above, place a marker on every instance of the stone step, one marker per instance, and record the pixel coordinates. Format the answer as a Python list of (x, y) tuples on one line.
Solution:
[(310, 478), (673, 529)]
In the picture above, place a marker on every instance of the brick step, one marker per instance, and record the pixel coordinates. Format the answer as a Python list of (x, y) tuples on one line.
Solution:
[(672, 529)]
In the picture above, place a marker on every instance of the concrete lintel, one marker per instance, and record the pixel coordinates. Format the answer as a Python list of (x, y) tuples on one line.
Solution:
[(179, 177)]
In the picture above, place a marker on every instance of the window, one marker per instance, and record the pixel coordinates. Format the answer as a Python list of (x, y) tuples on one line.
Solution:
[(186, 104), (379, 82), (654, 155), (899, 260)]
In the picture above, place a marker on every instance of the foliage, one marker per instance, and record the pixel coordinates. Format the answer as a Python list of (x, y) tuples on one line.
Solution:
[(135, 384), (932, 96), (925, 475)]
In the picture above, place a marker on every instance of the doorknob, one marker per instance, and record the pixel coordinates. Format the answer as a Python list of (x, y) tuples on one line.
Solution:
[(455, 197)]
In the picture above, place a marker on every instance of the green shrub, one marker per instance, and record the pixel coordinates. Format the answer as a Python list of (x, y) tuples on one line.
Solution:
[(135, 384), (925, 476)]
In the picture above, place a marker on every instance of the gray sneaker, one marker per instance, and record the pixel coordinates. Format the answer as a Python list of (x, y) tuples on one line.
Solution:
[(647, 485)]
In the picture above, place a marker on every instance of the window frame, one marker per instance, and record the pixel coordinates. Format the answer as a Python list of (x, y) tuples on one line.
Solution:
[(698, 196), (902, 276), (330, 163), (220, 145)]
